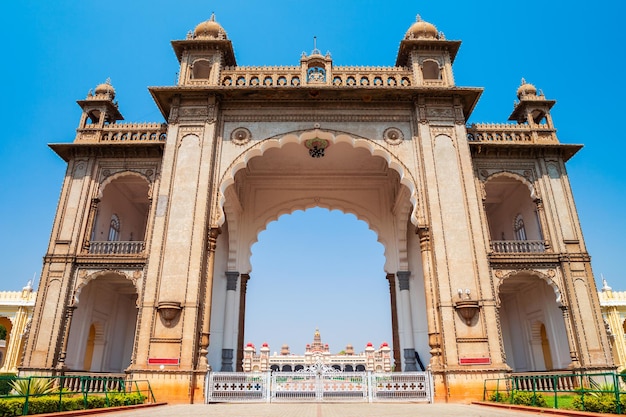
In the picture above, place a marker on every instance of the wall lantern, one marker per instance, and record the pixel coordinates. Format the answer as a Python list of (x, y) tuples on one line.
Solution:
[(465, 306), (169, 311)]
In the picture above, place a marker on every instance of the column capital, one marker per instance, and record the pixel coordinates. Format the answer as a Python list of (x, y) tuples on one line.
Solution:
[(231, 280), (403, 279), (212, 235)]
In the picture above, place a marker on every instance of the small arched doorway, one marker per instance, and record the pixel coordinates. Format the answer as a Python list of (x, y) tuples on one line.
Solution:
[(533, 328), (102, 332)]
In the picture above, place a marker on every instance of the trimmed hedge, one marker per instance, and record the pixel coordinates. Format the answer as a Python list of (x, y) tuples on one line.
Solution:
[(604, 403), (520, 398), (50, 403)]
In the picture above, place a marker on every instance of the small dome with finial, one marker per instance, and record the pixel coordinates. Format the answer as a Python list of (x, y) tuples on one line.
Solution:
[(106, 89), (422, 30), (526, 89), (210, 29)]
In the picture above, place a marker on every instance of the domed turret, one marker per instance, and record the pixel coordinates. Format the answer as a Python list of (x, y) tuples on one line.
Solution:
[(209, 29), (526, 89), (422, 30), (105, 89)]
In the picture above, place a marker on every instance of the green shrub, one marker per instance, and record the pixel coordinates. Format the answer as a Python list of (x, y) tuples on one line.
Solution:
[(604, 403), (11, 407), (32, 386), (5, 383), (528, 398), (96, 401), (499, 397)]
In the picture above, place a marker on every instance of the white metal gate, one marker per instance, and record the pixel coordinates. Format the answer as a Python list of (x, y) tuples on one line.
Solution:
[(318, 384)]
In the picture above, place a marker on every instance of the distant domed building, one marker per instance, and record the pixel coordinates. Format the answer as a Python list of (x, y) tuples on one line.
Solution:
[(371, 360)]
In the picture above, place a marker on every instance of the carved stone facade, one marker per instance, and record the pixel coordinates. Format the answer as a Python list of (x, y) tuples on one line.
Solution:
[(150, 248), (613, 305)]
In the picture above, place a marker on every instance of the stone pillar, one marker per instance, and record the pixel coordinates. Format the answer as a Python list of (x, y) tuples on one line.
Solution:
[(430, 288), (542, 223), (397, 359), (242, 321), (409, 346), (203, 362), (573, 351), (69, 313), (229, 321), (93, 210)]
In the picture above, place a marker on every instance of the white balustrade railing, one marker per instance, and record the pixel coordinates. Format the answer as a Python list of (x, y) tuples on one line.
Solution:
[(518, 246), (116, 247)]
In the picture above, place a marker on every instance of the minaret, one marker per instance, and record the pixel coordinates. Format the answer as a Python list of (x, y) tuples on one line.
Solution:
[(99, 109)]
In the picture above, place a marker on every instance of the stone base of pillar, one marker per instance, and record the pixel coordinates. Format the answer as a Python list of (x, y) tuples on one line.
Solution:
[(409, 360), (227, 360)]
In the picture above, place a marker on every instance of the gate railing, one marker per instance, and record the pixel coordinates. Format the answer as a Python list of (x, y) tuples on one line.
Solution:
[(311, 386)]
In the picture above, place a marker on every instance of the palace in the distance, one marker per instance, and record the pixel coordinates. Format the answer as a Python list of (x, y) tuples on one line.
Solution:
[(370, 360), (148, 262)]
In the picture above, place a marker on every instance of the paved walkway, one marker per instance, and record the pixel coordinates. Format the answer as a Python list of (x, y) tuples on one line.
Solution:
[(319, 410)]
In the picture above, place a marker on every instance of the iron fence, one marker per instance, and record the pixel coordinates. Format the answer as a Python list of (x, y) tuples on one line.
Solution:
[(72, 392), (555, 387)]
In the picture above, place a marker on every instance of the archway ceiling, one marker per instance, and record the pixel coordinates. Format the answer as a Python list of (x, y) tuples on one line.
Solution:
[(501, 189), (290, 173), (340, 159), (133, 188)]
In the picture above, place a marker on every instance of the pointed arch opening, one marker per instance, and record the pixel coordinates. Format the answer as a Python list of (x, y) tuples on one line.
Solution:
[(512, 215), (102, 331), (276, 179), (533, 329), (119, 224)]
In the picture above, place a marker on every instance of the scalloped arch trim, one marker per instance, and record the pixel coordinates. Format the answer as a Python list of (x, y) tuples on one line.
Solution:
[(514, 176), (299, 137), (536, 274), (108, 180)]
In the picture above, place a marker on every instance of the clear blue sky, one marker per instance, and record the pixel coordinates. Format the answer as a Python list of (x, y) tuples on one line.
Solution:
[(55, 51)]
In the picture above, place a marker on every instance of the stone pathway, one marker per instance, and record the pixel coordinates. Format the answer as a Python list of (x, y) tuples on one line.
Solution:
[(319, 410)]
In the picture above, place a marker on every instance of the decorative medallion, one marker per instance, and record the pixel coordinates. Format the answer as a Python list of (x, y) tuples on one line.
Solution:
[(240, 136), (393, 136), (316, 147)]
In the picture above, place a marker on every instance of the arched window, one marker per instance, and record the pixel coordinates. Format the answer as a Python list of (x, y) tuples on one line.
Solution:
[(518, 228), (114, 228), (201, 69), (316, 74), (431, 70)]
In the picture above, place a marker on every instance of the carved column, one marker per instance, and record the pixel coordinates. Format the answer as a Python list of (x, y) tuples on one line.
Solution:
[(397, 359), (229, 321), (242, 321), (203, 362), (573, 351), (409, 346), (69, 313), (615, 326), (434, 334), (93, 209), (542, 223)]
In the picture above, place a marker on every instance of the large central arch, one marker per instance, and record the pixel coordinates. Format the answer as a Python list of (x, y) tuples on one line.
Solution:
[(356, 175)]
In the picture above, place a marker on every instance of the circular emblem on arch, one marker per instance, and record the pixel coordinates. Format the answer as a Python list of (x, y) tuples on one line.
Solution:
[(240, 136), (393, 136)]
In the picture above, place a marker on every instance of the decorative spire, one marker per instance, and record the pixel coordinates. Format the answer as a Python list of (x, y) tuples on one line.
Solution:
[(605, 285)]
